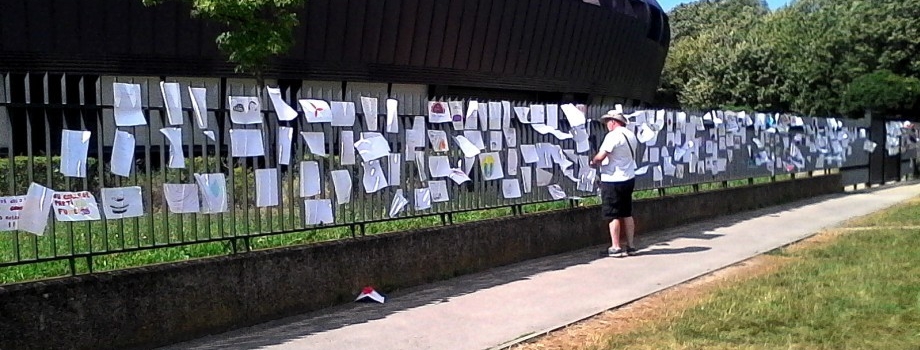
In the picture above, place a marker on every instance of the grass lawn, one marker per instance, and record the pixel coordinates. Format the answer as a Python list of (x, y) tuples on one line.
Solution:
[(860, 291)]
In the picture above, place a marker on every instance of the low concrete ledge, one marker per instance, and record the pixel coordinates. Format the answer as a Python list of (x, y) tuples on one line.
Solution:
[(163, 304)]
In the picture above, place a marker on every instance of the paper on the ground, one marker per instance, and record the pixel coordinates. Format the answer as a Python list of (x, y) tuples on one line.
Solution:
[(316, 142), (495, 115), (506, 115), (122, 202), (523, 114), (512, 162), (36, 205), (394, 174), (122, 160), (343, 113), (245, 109), (9, 212), (284, 111), (181, 198), (510, 137), (496, 138), (511, 188), (373, 147), (172, 98), (213, 192), (543, 177), (552, 116), (438, 112), (573, 115), (422, 199), (439, 166), (246, 143), (556, 191), (128, 110), (374, 179), (318, 211), (176, 154), (341, 180), (438, 139), (438, 190), (491, 166), (316, 111), (369, 108), (75, 206), (537, 114), (285, 136), (309, 179), (527, 178), (347, 148), (529, 153), (398, 204), (267, 187), (475, 138), (392, 116), (471, 121), (74, 146), (199, 97), (468, 148), (458, 176), (456, 114)]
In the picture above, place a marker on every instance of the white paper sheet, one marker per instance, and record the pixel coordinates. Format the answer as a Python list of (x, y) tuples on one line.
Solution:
[(510, 137), (392, 116), (74, 146), (374, 147), (552, 116), (475, 137), (347, 148), (422, 199), (544, 177), (438, 190), (398, 204), (529, 154), (75, 206), (283, 110), (468, 148), (199, 97), (556, 192), (209, 134), (176, 153), (511, 188), (491, 166), (483, 114), (374, 179), (438, 139), (181, 198), (122, 159), (513, 162), (506, 115), (369, 109), (573, 115), (245, 109), (546, 129), (438, 112), (456, 114), (642, 171), (318, 211), (496, 140), (439, 166), (10, 207), (33, 217), (316, 111), (527, 178), (495, 115), (458, 176), (394, 175), (523, 114), (316, 142), (471, 121), (341, 180), (267, 187), (285, 136), (246, 143), (309, 179), (128, 109), (173, 102), (213, 192), (538, 114), (343, 113), (468, 164), (122, 202), (421, 165), (580, 135)]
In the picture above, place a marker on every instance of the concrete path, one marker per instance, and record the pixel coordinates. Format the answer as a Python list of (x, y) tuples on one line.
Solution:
[(496, 307)]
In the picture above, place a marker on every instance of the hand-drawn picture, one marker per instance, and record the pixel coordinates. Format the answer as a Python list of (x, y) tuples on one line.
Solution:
[(122, 202)]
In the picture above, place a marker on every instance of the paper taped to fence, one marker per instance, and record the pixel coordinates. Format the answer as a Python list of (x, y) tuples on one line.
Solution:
[(213, 192), (246, 143), (9, 212), (267, 187), (199, 97), (128, 110), (341, 180), (245, 109), (122, 159), (75, 206), (316, 111), (283, 110), (74, 146), (176, 154), (318, 211), (122, 202), (172, 99), (33, 217)]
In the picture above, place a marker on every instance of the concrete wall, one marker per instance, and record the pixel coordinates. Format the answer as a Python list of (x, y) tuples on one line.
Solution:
[(158, 305)]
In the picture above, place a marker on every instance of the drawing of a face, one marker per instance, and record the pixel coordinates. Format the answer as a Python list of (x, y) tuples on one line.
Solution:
[(253, 105)]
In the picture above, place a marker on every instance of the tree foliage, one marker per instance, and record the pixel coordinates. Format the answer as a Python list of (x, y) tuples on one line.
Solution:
[(801, 58), (255, 30)]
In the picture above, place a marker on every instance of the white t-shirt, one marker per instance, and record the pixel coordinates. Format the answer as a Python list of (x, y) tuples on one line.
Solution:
[(620, 164)]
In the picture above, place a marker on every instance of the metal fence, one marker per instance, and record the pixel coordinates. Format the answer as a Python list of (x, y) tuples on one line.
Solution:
[(35, 109)]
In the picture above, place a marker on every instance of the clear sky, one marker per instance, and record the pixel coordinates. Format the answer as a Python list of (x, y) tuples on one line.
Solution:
[(667, 5)]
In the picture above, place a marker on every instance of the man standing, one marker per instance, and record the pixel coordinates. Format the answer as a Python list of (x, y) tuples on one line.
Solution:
[(617, 161)]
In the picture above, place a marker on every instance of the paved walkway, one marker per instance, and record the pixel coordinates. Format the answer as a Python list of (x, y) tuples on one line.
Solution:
[(488, 309)]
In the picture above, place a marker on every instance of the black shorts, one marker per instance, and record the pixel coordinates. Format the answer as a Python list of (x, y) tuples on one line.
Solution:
[(616, 199)]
